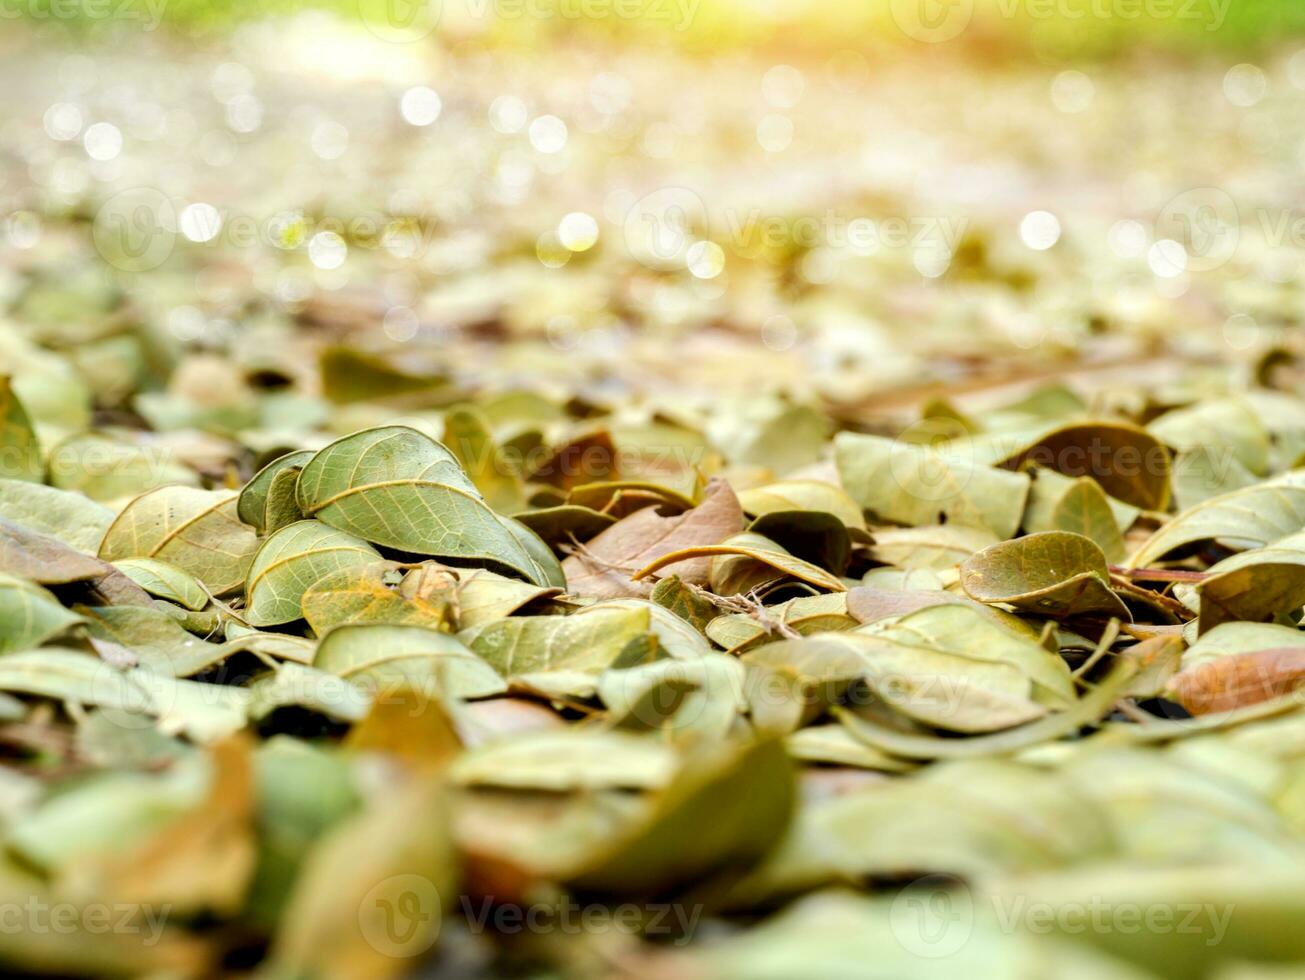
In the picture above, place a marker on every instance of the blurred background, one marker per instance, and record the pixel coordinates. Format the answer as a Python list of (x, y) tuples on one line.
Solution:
[(669, 200)]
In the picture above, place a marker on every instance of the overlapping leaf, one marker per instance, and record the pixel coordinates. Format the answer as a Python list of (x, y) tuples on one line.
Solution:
[(1053, 573), (395, 487), (914, 485), (196, 530), (291, 562)]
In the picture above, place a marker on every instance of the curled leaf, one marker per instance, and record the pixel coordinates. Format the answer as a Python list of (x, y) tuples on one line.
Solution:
[(1053, 573)]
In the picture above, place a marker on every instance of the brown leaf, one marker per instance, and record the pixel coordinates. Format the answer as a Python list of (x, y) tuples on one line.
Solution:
[(583, 460), (44, 559), (604, 568), (1238, 680), (48, 561), (1128, 462)]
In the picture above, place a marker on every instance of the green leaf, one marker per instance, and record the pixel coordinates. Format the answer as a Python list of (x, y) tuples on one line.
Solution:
[(268, 500), (74, 519), (802, 495), (567, 760), (1249, 518), (482, 596), (1204, 473), (1058, 503), (196, 530), (1052, 573), (155, 640), (278, 646), (379, 659), (558, 525), (1223, 427), (811, 535), (301, 792), (20, 452), (350, 375), (770, 431), (806, 615), (621, 498), (722, 813), (588, 641), (915, 485), (952, 667), (939, 547), (688, 699), (291, 562), (164, 580), (293, 685), (792, 682), (684, 602), (394, 486), (29, 615), (204, 712), (370, 594), (1248, 918), (1087, 710), (676, 637), (834, 745)]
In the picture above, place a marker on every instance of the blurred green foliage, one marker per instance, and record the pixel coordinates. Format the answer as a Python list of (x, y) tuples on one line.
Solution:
[(1048, 29)]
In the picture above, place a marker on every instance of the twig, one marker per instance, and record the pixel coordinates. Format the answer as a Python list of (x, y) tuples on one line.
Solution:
[(585, 555), (1158, 574), (225, 607), (748, 605)]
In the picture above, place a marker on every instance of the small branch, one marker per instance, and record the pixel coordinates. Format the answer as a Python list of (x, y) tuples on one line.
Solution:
[(587, 556), (748, 605), (1158, 574)]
